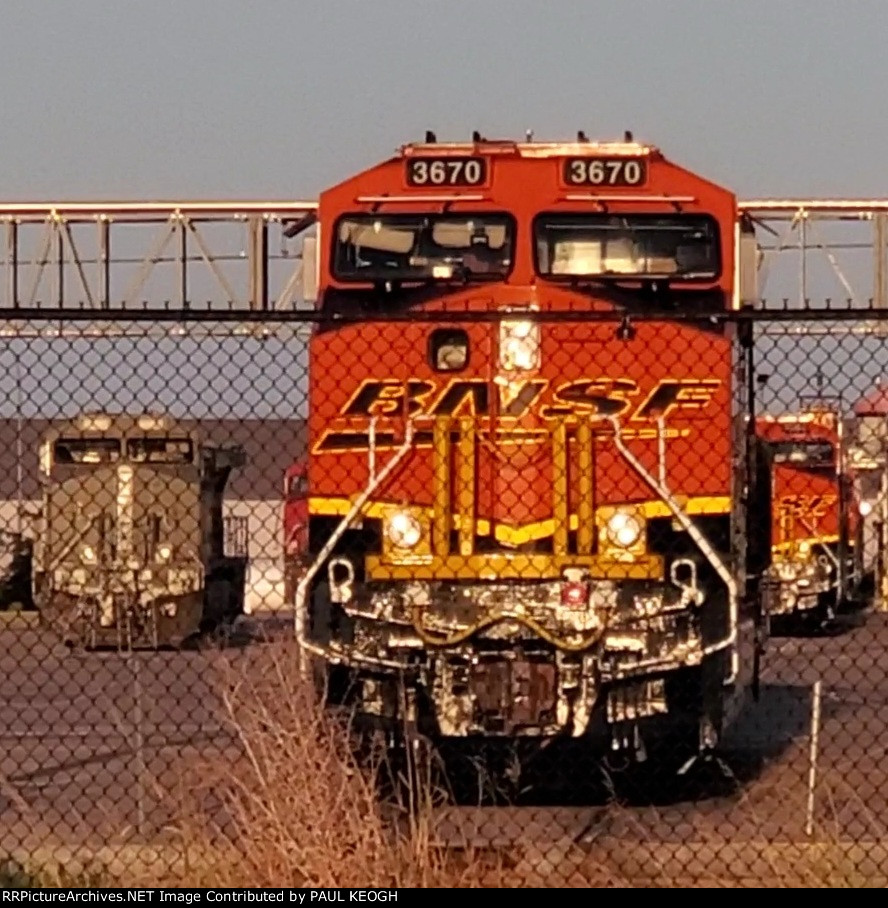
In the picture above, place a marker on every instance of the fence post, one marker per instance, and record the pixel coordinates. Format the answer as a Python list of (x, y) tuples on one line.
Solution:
[(880, 269), (881, 580)]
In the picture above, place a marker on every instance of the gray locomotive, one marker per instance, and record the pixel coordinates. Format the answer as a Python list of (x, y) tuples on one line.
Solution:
[(131, 549)]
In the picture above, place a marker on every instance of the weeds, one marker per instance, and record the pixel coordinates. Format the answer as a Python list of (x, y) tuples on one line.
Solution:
[(14, 875), (293, 805)]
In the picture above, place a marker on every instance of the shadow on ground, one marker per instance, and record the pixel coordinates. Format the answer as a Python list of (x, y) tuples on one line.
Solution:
[(569, 775)]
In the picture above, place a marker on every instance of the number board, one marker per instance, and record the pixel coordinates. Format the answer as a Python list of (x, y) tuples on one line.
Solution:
[(605, 172), (446, 171)]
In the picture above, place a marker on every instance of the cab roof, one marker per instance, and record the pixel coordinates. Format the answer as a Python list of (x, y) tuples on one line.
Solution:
[(100, 423), (529, 149)]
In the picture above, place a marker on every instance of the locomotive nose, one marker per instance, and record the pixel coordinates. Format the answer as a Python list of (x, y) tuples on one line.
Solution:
[(125, 513)]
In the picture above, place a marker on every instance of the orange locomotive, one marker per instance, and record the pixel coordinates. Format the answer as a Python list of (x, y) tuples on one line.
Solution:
[(523, 496), (813, 518)]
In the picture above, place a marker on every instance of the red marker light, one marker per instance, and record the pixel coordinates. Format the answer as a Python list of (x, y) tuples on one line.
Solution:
[(574, 594)]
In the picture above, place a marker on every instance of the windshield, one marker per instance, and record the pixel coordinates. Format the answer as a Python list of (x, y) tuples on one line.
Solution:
[(159, 450), (423, 247), (809, 453), (601, 245), (87, 450)]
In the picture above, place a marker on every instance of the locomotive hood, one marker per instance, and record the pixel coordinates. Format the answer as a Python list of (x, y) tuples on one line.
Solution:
[(124, 514)]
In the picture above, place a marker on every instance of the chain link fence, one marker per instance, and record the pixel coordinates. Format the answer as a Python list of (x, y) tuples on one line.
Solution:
[(587, 601)]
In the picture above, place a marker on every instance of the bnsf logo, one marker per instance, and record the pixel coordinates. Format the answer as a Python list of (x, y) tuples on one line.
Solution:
[(810, 506), (588, 397)]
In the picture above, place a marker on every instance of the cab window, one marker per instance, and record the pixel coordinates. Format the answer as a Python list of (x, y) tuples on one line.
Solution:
[(160, 450), (422, 248), (86, 450), (603, 246), (806, 453)]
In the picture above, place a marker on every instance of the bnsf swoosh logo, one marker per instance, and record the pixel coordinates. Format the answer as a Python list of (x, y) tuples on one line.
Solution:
[(811, 506), (588, 397)]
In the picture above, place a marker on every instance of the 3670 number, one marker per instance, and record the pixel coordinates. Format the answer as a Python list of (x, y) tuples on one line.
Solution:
[(446, 172), (605, 172)]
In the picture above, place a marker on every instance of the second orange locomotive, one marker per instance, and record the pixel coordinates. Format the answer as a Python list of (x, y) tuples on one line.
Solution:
[(814, 567)]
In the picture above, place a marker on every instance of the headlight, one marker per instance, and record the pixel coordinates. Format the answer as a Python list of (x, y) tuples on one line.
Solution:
[(403, 529), (519, 346), (164, 553), (88, 554), (865, 508), (623, 529)]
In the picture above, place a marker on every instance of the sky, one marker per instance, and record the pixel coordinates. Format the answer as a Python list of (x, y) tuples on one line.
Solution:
[(216, 99), (276, 98)]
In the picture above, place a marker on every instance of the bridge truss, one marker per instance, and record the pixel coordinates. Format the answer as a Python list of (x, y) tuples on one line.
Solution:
[(819, 250), (230, 256), (152, 255)]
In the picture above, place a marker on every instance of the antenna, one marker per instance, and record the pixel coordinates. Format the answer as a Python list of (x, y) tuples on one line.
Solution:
[(430, 138), (476, 136), (582, 137), (627, 136), (529, 135)]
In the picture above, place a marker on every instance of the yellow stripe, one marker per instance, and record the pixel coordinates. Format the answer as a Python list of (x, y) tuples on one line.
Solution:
[(441, 509), (518, 535), (585, 492), (465, 494), (560, 504), (501, 566), (782, 547)]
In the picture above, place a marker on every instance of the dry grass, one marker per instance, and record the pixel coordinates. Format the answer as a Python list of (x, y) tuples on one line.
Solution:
[(290, 805), (295, 807)]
